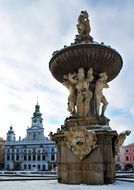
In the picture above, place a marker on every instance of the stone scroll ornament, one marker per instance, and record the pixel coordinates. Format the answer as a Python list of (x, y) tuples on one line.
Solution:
[(80, 141), (120, 140)]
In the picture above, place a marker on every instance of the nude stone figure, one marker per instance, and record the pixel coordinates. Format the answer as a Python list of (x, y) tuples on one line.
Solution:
[(99, 97), (84, 95), (72, 93), (88, 94)]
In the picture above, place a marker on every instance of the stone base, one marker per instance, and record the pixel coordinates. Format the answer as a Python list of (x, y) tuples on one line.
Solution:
[(98, 167), (89, 122)]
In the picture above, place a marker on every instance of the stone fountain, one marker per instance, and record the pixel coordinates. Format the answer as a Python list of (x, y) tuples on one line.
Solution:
[(86, 144)]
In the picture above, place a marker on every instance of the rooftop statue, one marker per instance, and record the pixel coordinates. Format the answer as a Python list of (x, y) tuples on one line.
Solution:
[(83, 25)]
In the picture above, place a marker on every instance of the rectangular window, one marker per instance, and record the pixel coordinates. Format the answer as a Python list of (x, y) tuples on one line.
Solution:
[(17, 157), (38, 157), (25, 166), (8, 157), (29, 167), (25, 157), (34, 157), (52, 157), (13, 157), (29, 157), (43, 157)]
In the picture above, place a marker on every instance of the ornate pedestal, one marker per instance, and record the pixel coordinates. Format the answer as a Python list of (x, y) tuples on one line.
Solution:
[(97, 167)]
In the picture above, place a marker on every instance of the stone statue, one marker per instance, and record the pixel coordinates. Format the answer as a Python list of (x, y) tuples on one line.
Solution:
[(72, 93), (99, 97), (120, 140), (84, 94), (88, 94), (81, 92), (83, 25)]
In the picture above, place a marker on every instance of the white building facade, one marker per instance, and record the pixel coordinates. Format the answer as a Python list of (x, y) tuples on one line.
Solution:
[(34, 152)]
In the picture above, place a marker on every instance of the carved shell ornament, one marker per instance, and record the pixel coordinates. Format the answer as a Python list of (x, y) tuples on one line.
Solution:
[(80, 141)]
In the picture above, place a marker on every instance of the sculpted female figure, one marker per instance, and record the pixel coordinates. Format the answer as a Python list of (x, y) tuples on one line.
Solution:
[(100, 98)]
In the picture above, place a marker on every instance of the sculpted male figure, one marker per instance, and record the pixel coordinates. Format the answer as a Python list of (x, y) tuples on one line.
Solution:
[(88, 94), (99, 97), (72, 93), (84, 95)]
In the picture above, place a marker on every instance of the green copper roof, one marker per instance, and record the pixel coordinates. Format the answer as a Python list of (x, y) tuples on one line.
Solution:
[(11, 130), (37, 111)]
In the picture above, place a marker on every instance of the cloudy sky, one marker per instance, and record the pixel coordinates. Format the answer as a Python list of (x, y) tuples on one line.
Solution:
[(30, 30)]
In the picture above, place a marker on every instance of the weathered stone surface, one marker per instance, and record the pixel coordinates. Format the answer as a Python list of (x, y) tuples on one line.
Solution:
[(88, 122), (98, 167)]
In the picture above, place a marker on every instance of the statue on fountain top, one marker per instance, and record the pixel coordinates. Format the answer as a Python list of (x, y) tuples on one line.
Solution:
[(83, 25), (83, 28)]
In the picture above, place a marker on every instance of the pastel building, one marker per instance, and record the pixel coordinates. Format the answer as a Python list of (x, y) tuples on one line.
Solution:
[(34, 152), (125, 159)]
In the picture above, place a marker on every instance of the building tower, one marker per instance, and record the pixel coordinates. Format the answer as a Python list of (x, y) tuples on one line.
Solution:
[(36, 131), (10, 135)]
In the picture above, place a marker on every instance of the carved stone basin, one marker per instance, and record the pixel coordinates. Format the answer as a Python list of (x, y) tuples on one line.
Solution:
[(100, 57)]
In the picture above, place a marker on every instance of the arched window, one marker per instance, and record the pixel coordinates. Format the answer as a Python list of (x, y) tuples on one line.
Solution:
[(127, 158), (129, 167)]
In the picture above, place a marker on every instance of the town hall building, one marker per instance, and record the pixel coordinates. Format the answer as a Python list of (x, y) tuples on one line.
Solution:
[(34, 152)]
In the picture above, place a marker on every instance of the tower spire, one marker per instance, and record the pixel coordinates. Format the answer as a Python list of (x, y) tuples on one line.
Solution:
[(37, 100), (37, 119)]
